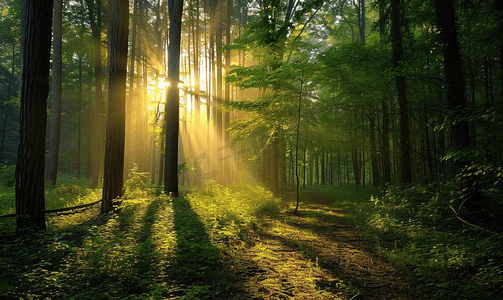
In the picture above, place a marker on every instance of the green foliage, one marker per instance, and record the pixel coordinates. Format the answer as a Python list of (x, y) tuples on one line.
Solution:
[(136, 184), (197, 292), (84, 256), (150, 242), (227, 207), (7, 175), (185, 166), (415, 228), (67, 193), (126, 254), (482, 185)]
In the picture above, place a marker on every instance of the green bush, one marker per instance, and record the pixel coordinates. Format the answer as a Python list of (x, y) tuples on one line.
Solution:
[(7, 175), (136, 185)]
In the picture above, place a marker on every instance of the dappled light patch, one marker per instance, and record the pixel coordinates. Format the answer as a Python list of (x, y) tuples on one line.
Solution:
[(92, 256)]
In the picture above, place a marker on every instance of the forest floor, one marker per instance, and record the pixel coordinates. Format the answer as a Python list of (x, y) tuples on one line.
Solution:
[(155, 247), (312, 254)]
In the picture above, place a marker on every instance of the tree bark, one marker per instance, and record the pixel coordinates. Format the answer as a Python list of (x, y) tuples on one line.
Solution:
[(36, 46), (79, 125), (51, 168), (128, 146), (376, 179), (386, 162), (175, 8), (89, 131), (219, 82), (274, 164), (398, 60), (454, 75), (98, 101), (118, 30)]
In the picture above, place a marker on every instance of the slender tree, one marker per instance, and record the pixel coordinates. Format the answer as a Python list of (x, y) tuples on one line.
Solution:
[(36, 44), (118, 30), (98, 100), (398, 59), (79, 119), (175, 8), (9, 89), (51, 168)]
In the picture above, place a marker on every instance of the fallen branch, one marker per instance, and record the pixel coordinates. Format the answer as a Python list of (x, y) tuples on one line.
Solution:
[(468, 223), (51, 211), (71, 208)]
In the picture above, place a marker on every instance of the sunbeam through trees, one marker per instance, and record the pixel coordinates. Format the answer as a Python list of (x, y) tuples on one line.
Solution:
[(234, 135)]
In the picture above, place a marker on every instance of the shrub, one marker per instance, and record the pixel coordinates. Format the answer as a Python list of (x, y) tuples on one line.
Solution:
[(136, 184)]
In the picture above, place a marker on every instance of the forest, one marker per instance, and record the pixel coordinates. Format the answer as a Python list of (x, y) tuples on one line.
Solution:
[(251, 149)]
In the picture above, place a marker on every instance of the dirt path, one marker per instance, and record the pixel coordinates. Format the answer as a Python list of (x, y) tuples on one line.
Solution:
[(313, 255)]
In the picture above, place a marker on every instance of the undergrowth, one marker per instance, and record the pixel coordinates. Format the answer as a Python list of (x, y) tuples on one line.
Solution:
[(226, 209), (151, 247), (416, 229)]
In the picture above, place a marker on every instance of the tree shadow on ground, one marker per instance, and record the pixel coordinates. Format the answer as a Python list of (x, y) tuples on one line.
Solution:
[(197, 268), (143, 268), (342, 251)]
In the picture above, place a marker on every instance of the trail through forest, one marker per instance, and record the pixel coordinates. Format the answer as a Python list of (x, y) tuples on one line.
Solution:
[(312, 254)]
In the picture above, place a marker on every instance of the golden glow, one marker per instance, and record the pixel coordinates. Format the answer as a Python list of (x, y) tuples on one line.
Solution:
[(162, 83), (199, 146)]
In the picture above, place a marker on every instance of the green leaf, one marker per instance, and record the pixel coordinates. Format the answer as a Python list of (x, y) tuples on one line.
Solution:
[(4, 286)]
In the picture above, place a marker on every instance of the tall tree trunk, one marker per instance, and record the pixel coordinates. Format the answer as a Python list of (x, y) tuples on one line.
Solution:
[(162, 151), (79, 120), (361, 19), (227, 149), (323, 167), (456, 99), (118, 30), (89, 132), (304, 165), (354, 154), (398, 59), (197, 80), (51, 167), (363, 162), (128, 144), (219, 91), (454, 74), (9, 89), (36, 45), (274, 164), (98, 102), (498, 5), (376, 180), (297, 149), (175, 8), (386, 162)]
